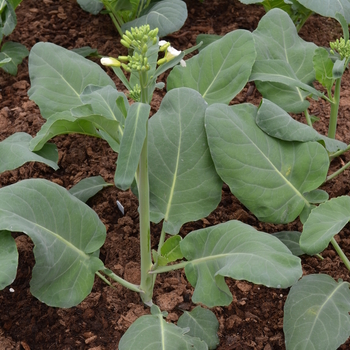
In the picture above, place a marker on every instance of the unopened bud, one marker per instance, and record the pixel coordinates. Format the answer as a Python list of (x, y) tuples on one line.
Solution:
[(110, 62)]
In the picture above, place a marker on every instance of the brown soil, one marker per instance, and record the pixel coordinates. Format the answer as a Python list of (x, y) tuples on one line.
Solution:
[(254, 319)]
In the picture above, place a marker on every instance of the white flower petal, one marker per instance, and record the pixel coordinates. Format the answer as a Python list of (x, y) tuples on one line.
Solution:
[(173, 51), (162, 42)]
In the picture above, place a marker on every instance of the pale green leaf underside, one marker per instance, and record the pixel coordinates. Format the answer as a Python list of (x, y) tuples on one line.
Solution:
[(202, 323), (15, 151), (277, 40), (323, 223), (8, 259), (58, 77), (221, 70), (235, 250), (291, 240), (329, 8), (152, 332), (316, 314), (88, 187), (276, 122), (167, 15), (183, 183), (67, 235), (267, 175)]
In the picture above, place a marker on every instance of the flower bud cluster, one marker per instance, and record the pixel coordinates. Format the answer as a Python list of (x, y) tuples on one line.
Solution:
[(342, 47), (138, 39)]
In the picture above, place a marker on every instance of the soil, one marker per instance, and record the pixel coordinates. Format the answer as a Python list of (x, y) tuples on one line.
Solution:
[(254, 320)]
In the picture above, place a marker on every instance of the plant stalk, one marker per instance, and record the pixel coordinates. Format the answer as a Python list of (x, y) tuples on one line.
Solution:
[(144, 210), (341, 253), (334, 110), (118, 279), (332, 176)]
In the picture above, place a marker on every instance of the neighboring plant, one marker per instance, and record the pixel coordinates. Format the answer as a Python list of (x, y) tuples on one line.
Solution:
[(166, 15), (300, 10), (11, 53), (176, 161)]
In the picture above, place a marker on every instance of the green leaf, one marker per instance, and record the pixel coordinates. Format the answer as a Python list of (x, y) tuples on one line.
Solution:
[(171, 249), (323, 67), (329, 8), (202, 324), (86, 51), (291, 240), (277, 40), (15, 152), (153, 332), (277, 123), (272, 180), (184, 185), (166, 15), (235, 250), (316, 196), (62, 123), (58, 77), (67, 235), (92, 6), (16, 52), (316, 314), (220, 71), (131, 144), (87, 188), (8, 19), (206, 39), (323, 223), (8, 259)]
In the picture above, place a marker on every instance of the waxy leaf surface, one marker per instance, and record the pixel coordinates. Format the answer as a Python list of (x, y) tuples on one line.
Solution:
[(8, 259), (277, 41), (323, 223), (184, 185), (221, 70), (316, 314), (16, 52), (131, 144), (276, 122), (15, 151), (166, 15), (67, 235), (202, 323), (235, 250), (88, 187), (153, 332), (267, 175), (58, 77)]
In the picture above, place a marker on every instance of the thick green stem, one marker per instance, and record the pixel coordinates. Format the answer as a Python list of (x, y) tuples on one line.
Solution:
[(169, 267), (334, 110), (341, 253), (308, 119), (144, 209)]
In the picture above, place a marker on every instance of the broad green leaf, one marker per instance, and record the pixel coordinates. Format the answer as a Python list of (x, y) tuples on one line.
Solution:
[(166, 15), (344, 24), (276, 122), (323, 67), (202, 324), (86, 51), (329, 8), (15, 151), (338, 68), (92, 6), (324, 222), (8, 259), (316, 314), (221, 70), (131, 145), (269, 176), (16, 52), (291, 240), (234, 249), (8, 19), (184, 185), (207, 39), (67, 235), (316, 196), (62, 123), (87, 188), (276, 40), (58, 77), (171, 249), (153, 332)]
